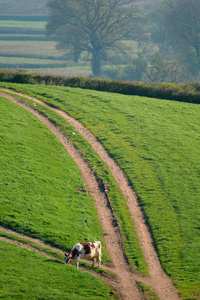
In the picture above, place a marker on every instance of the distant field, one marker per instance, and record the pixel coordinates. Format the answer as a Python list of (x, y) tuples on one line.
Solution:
[(22, 24), (23, 63), (15, 52), (30, 61), (30, 54), (68, 71), (30, 47), (24, 45), (156, 142)]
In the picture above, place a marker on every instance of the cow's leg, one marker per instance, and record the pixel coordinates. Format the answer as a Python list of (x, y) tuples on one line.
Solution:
[(99, 260), (77, 262), (67, 258), (94, 260)]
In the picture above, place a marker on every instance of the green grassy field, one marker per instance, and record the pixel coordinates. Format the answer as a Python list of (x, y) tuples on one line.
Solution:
[(102, 172), (28, 275), (31, 61), (40, 183), (22, 24), (40, 196), (24, 45), (156, 142), (30, 48)]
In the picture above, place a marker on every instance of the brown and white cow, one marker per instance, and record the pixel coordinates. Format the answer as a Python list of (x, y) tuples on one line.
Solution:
[(85, 250)]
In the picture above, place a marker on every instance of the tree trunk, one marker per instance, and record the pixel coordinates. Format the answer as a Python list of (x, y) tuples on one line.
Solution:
[(96, 63)]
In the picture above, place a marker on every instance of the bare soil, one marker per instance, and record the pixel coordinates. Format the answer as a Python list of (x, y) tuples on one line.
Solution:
[(126, 279)]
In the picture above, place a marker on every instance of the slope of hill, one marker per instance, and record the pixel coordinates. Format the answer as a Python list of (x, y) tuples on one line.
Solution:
[(35, 188), (28, 275), (128, 287), (156, 144)]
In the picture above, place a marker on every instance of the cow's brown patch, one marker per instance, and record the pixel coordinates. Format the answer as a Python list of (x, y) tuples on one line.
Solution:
[(75, 252), (87, 248)]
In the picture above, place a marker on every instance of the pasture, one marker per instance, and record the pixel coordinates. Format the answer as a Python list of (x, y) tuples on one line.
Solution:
[(22, 24), (29, 48), (28, 275), (156, 143), (39, 200), (39, 183), (132, 249), (24, 45)]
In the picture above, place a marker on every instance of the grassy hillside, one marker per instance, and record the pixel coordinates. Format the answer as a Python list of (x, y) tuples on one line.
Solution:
[(40, 183), (118, 202), (156, 142), (27, 275), (40, 192)]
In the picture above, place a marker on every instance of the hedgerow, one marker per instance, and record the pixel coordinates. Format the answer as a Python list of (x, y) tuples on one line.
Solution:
[(179, 92)]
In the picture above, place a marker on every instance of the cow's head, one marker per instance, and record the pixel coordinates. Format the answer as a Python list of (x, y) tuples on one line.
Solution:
[(67, 258)]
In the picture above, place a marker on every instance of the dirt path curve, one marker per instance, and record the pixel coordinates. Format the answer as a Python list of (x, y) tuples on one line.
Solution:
[(158, 280)]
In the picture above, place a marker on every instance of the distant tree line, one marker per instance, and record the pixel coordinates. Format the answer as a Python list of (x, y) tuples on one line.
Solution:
[(167, 33)]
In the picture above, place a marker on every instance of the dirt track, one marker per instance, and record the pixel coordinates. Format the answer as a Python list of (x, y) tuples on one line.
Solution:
[(126, 278)]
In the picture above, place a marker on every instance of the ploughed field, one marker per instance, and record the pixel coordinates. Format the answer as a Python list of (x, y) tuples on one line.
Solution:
[(155, 142)]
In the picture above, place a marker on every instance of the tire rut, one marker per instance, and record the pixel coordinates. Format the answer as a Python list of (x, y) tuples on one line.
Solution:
[(128, 288)]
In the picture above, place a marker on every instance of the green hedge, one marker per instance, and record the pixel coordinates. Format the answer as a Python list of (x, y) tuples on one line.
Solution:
[(179, 92)]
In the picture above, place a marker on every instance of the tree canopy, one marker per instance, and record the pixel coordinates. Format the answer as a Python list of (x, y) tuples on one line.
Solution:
[(94, 26)]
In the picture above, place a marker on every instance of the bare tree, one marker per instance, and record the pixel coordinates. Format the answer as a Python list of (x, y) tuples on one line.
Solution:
[(95, 26), (183, 24), (175, 28), (161, 68)]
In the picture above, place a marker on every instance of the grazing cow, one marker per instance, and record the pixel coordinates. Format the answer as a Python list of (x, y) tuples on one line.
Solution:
[(84, 250)]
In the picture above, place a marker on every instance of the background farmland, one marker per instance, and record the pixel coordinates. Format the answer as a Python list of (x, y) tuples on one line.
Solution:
[(24, 44), (23, 41)]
